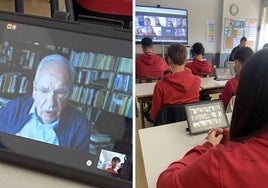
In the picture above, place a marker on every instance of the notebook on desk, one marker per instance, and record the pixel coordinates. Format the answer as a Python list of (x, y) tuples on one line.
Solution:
[(223, 73), (204, 116), (90, 48)]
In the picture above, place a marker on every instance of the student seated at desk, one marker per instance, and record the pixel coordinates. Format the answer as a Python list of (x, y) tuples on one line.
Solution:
[(236, 158), (179, 87), (230, 87), (150, 65), (199, 66)]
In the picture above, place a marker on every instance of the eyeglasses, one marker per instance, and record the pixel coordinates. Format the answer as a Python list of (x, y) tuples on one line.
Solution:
[(59, 93)]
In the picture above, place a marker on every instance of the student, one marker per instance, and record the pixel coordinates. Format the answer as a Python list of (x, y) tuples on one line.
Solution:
[(157, 22), (112, 9), (46, 116), (147, 22), (230, 87), (150, 65), (236, 158), (198, 65), (112, 166), (179, 87), (150, 31), (243, 43)]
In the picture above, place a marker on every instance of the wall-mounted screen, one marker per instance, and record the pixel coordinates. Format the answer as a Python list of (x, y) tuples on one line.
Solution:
[(163, 25)]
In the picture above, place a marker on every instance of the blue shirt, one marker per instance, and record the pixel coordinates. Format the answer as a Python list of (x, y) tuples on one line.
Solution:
[(35, 129)]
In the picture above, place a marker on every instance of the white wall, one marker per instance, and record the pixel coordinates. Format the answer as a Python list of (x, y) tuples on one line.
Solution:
[(247, 9), (202, 10)]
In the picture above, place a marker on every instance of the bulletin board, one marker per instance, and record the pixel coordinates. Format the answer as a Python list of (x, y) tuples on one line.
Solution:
[(237, 28)]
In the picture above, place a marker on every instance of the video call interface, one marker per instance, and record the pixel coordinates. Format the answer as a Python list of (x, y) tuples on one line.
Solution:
[(23, 46), (202, 117), (161, 24), (223, 73)]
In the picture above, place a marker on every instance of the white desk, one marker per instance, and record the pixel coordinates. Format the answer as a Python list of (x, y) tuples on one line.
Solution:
[(164, 144), (147, 89), (14, 176), (210, 83)]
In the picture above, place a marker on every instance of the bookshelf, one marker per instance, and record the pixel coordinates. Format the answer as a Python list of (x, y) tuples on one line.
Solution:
[(102, 82)]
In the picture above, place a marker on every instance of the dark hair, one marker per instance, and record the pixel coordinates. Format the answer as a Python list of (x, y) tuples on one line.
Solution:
[(242, 54), (146, 42), (198, 49), (250, 115), (243, 39), (116, 159), (177, 53)]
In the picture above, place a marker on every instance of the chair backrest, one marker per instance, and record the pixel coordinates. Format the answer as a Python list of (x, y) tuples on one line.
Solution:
[(230, 106), (170, 114), (101, 21), (231, 64)]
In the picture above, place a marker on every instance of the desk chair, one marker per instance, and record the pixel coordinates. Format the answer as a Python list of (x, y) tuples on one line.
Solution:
[(170, 114), (54, 6), (76, 10), (230, 106), (231, 64)]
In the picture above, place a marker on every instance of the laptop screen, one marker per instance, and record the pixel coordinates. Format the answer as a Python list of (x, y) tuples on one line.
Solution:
[(204, 116), (93, 115)]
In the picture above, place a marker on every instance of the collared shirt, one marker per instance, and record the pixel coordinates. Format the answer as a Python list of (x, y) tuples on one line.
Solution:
[(35, 129)]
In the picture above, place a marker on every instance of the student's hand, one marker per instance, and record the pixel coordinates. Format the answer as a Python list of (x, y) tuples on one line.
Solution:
[(215, 136)]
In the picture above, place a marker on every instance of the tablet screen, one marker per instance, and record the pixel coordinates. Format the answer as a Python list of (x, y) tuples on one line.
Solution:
[(223, 73), (63, 117), (204, 116)]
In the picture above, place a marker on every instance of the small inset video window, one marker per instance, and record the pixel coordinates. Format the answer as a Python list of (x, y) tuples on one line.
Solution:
[(111, 161)]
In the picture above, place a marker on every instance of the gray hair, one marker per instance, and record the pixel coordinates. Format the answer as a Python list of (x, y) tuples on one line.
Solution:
[(59, 60)]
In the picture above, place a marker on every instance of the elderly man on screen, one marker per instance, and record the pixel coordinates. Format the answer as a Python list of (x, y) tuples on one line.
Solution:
[(46, 116)]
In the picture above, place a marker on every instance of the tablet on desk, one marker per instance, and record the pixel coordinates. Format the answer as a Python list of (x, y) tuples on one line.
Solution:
[(204, 116), (101, 94), (223, 73)]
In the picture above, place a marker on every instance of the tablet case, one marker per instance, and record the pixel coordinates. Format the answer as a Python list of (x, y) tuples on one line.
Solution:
[(24, 39)]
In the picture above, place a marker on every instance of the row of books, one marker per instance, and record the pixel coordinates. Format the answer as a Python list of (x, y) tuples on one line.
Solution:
[(93, 60), (27, 59), (125, 65), (123, 82), (6, 53), (13, 83), (121, 104), (89, 96), (85, 76)]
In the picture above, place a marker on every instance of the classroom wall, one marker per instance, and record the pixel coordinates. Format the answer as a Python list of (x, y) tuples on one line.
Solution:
[(201, 11)]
